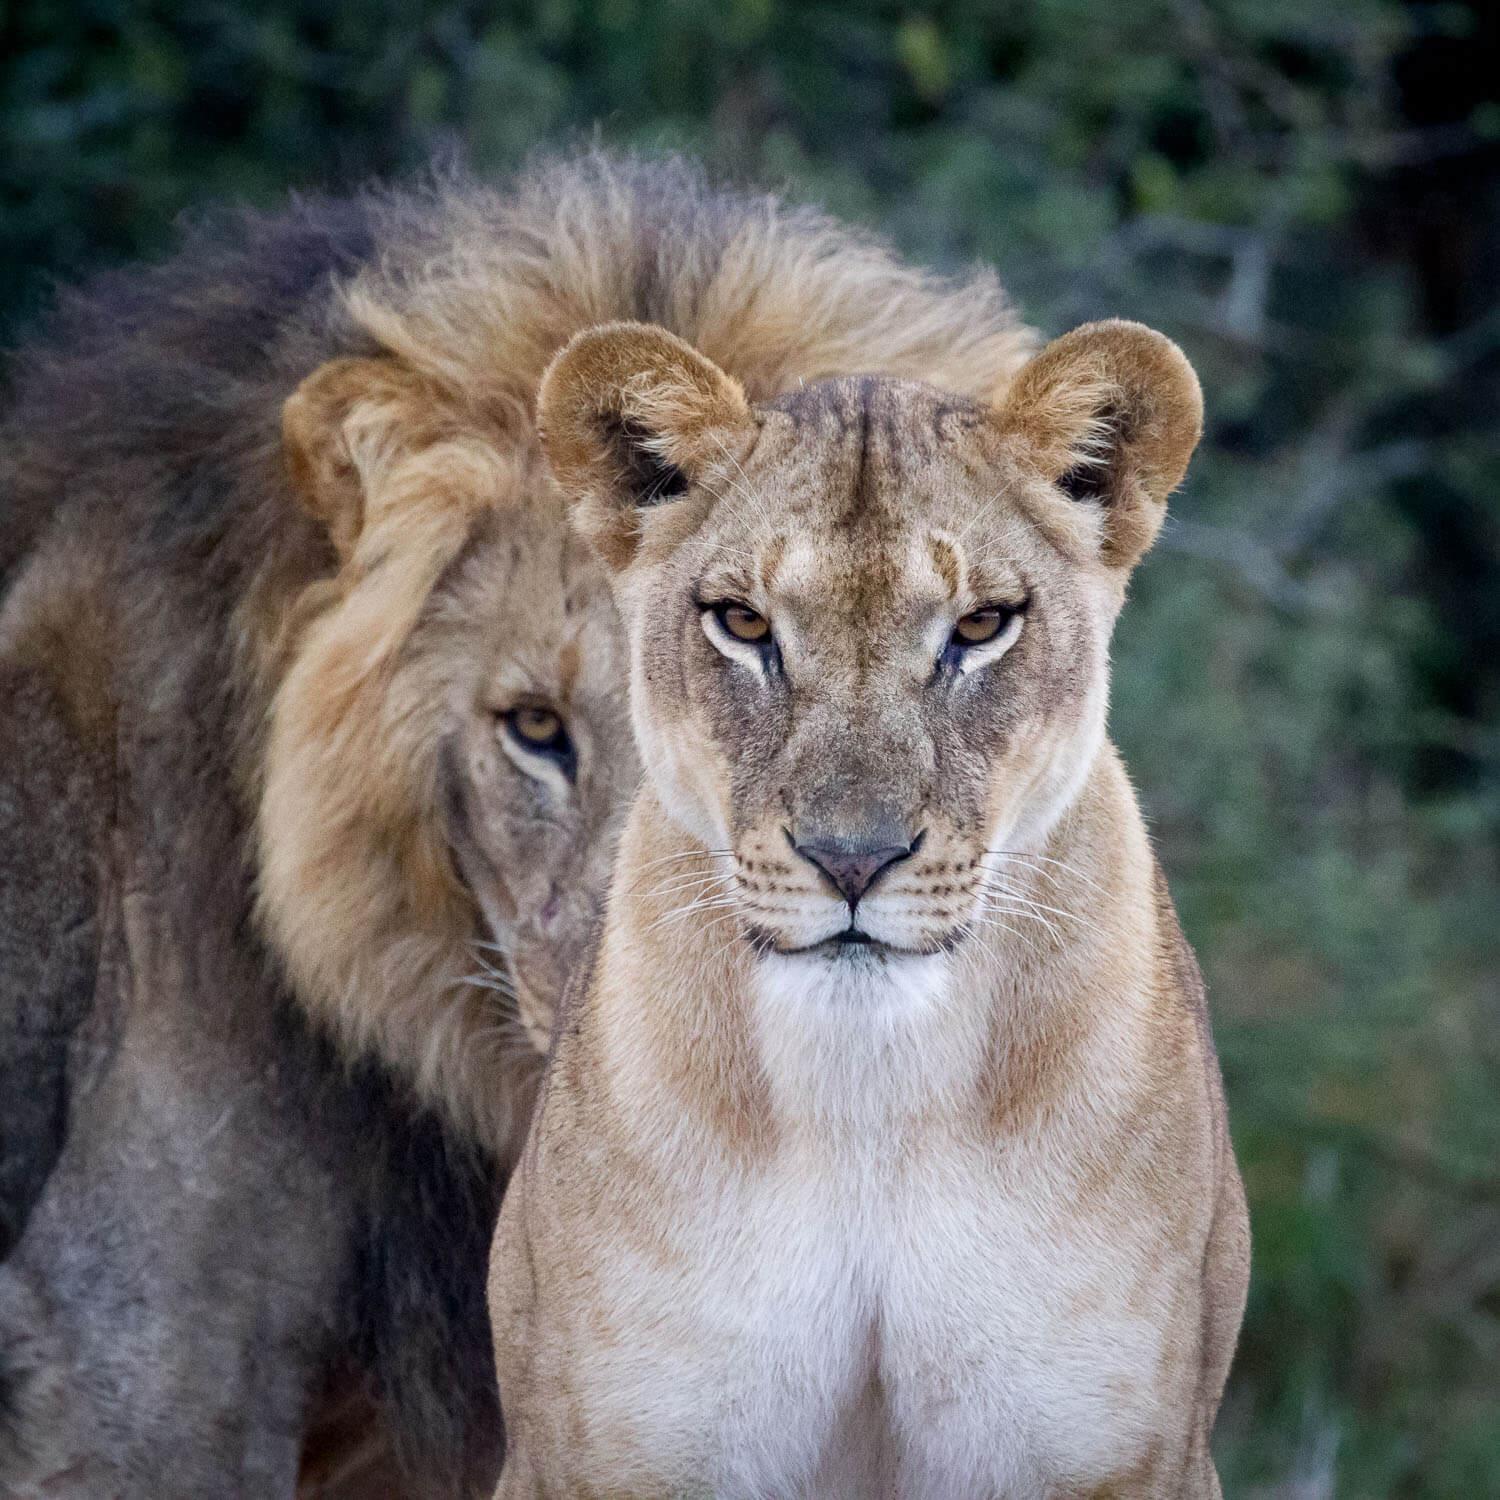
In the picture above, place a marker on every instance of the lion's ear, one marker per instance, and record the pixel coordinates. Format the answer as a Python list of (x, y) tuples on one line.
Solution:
[(343, 416), (1111, 414), (628, 413)]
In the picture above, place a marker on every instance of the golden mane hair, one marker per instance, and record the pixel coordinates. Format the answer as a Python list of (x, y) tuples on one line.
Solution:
[(775, 293)]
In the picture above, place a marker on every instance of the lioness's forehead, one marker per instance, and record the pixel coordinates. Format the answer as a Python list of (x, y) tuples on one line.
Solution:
[(836, 575), (867, 492), (862, 436)]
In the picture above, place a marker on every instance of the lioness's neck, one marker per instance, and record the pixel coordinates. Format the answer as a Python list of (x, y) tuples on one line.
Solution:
[(685, 1009)]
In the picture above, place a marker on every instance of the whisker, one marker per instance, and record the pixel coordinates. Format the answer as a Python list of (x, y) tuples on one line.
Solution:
[(990, 887), (675, 881), (494, 971), (1019, 936), (725, 947), (986, 890), (1075, 919), (685, 854), (715, 921), (708, 899), (1027, 916), (1046, 859), (701, 904), (758, 501), (724, 449), (488, 982)]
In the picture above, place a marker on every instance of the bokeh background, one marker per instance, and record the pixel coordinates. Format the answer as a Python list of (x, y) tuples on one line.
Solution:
[(1306, 196)]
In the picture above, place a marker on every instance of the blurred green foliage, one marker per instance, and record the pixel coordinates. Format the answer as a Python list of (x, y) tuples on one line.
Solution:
[(1308, 198)]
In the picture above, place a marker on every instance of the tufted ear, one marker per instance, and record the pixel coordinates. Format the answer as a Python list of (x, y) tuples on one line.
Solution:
[(628, 413), (336, 424), (1111, 414)]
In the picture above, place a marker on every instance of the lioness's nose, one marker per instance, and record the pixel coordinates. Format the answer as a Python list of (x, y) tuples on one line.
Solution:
[(853, 868)]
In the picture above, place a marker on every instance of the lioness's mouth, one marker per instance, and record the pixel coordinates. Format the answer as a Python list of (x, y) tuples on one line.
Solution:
[(853, 946), (851, 941)]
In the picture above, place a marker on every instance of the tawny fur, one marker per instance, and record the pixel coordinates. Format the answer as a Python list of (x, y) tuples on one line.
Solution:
[(356, 874), (777, 294), (949, 1211), (203, 1207)]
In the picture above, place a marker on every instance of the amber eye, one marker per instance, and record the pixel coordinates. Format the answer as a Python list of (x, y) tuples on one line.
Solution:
[(535, 726), (539, 730), (742, 622), (982, 625)]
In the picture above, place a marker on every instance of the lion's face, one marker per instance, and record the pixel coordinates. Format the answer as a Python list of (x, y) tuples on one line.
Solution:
[(869, 622), (448, 752), (535, 761)]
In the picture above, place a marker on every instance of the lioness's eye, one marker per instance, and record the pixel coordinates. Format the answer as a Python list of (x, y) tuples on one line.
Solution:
[(539, 730), (982, 636), (742, 622), (981, 625)]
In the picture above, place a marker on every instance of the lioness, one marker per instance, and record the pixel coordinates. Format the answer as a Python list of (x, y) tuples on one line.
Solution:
[(883, 1149)]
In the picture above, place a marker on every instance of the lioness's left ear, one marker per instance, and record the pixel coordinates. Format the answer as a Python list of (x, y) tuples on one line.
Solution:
[(336, 425), (628, 413), (1111, 414)]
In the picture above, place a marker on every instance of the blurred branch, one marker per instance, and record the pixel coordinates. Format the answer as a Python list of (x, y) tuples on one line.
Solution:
[(1331, 472), (1231, 72), (1328, 473), (1469, 345)]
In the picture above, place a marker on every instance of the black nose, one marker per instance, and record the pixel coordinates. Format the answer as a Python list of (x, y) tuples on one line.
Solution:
[(853, 868)]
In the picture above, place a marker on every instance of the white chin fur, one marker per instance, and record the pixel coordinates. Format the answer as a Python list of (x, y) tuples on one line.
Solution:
[(853, 977), (859, 1036)]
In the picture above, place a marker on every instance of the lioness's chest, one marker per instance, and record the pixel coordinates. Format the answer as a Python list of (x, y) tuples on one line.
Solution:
[(920, 1330)]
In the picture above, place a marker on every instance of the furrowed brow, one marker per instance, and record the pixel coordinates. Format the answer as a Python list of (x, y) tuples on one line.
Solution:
[(948, 563)]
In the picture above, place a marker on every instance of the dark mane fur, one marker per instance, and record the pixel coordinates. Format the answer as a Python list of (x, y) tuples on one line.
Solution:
[(153, 367)]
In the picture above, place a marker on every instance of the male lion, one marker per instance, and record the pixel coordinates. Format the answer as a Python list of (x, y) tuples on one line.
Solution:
[(312, 750), (367, 635), (883, 1150)]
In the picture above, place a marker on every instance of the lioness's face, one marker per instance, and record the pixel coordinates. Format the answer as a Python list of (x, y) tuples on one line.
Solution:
[(869, 622), (870, 670)]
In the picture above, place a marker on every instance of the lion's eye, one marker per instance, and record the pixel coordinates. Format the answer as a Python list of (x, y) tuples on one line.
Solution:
[(743, 623), (537, 727), (981, 625), (539, 730)]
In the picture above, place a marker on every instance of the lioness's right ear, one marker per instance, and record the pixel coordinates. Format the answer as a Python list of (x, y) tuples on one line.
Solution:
[(628, 413), (332, 425)]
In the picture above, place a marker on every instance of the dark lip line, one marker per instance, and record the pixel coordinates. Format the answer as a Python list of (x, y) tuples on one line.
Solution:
[(844, 940), (763, 943)]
